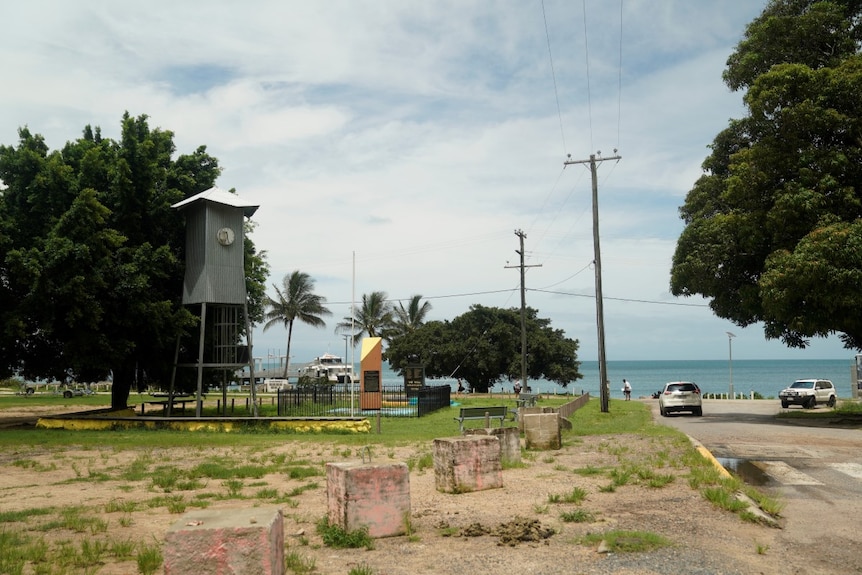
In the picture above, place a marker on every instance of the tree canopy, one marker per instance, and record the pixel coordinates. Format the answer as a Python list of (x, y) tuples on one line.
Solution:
[(91, 255), (483, 347), (772, 228)]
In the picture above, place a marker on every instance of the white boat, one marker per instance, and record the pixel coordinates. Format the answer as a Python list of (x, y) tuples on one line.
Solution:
[(332, 367)]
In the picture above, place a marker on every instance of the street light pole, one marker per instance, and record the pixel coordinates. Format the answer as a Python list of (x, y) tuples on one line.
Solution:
[(730, 337)]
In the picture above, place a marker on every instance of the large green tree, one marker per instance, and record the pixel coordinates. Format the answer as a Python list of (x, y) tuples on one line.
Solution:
[(773, 226), (483, 347), (296, 300), (91, 255)]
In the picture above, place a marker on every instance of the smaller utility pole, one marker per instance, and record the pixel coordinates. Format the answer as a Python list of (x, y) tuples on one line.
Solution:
[(521, 235)]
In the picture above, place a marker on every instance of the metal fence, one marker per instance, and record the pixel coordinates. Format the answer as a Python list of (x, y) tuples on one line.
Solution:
[(329, 401)]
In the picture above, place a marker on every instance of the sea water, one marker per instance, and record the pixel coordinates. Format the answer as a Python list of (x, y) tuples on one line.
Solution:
[(747, 376)]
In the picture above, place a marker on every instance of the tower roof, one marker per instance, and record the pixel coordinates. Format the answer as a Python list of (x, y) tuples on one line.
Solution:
[(220, 196)]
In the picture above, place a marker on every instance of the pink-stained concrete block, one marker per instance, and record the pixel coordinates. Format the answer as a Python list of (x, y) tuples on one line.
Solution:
[(226, 542), (372, 495), (469, 463)]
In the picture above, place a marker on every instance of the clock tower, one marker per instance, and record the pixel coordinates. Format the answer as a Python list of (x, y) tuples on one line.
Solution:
[(215, 279)]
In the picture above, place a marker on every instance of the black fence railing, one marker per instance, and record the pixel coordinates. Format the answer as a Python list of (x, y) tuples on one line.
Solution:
[(329, 401)]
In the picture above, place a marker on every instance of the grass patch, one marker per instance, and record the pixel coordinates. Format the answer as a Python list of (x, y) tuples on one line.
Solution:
[(627, 541), (577, 516), (299, 564), (336, 537)]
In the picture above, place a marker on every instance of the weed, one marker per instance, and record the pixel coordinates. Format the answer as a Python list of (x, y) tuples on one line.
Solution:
[(761, 549), (361, 569), (420, 462), (303, 472), (609, 488), (540, 509), (659, 481), (115, 505), (267, 493), (149, 559), (337, 537), (588, 471), (620, 476), (299, 564), (627, 541), (301, 489), (234, 488), (577, 516), (723, 499), (124, 549)]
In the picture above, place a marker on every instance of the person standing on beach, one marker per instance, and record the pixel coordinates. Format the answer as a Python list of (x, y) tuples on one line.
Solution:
[(627, 389)]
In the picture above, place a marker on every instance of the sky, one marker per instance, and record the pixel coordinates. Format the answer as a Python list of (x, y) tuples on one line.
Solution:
[(399, 146)]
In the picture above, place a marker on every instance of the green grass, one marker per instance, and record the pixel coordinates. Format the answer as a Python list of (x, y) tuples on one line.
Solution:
[(627, 541), (338, 538)]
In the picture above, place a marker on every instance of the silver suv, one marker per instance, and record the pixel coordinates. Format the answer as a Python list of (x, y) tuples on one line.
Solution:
[(808, 393)]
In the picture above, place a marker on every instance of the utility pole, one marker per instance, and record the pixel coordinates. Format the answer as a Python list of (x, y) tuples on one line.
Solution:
[(604, 384), (521, 235)]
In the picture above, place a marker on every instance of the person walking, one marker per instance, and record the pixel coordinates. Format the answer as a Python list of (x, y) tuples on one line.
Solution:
[(627, 389)]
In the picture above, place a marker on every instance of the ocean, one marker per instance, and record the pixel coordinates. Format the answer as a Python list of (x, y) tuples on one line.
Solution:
[(766, 377)]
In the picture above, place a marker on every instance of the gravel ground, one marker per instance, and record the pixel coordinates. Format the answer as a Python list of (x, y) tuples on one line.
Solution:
[(452, 533)]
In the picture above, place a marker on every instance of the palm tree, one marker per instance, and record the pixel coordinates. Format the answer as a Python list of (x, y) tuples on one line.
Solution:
[(372, 319), (296, 301), (410, 318)]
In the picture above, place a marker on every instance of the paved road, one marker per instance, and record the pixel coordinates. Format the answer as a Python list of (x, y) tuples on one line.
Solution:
[(816, 470)]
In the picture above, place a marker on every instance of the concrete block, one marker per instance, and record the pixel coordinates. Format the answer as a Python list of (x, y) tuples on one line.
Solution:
[(510, 441), (246, 541), (468, 463), (372, 495), (542, 431)]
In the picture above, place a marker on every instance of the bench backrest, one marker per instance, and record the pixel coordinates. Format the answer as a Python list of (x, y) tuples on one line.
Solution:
[(494, 411)]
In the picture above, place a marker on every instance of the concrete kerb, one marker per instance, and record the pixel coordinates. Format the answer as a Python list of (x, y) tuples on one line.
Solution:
[(753, 507)]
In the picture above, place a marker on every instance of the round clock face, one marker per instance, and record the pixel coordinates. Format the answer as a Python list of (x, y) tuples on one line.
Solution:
[(225, 236)]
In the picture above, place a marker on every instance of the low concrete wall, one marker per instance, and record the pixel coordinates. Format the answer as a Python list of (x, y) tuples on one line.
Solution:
[(123, 420)]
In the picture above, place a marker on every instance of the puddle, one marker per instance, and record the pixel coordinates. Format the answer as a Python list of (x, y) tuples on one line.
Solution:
[(746, 470)]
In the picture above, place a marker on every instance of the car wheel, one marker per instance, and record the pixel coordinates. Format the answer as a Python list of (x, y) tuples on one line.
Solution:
[(831, 402), (662, 411), (698, 411), (67, 394), (784, 404), (811, 403)]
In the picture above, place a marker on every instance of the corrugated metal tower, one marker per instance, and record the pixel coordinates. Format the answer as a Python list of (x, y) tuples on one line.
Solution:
[(215, 279)]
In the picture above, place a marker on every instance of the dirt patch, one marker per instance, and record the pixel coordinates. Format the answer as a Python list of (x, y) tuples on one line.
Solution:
[(526, 525)]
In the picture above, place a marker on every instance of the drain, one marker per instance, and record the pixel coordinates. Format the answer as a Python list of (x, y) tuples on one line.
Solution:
[(746, 470)]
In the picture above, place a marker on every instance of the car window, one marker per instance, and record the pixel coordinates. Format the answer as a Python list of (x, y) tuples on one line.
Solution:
[(681, 387), (802, 385)]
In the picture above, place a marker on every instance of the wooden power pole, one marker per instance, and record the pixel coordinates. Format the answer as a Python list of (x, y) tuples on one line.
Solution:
[(521, 235), (604, 384)]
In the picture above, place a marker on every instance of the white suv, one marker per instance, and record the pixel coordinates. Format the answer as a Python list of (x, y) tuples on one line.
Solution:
[(680, 396), (808, 393)]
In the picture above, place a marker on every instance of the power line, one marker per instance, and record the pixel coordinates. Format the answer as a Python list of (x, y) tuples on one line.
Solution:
[(554, 76)]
